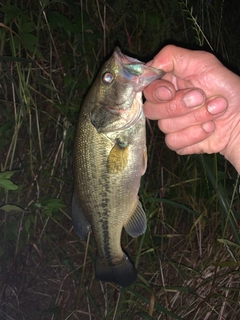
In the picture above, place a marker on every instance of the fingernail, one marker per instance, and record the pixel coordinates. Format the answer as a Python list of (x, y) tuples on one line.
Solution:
[(217, 105), (193, 98), (163, 93), (208, 126)]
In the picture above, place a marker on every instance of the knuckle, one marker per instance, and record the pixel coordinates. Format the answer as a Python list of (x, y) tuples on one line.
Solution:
[(201, 115), (174, 107)]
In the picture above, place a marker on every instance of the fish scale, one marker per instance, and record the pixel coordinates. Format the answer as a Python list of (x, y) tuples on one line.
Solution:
[(109, 160)]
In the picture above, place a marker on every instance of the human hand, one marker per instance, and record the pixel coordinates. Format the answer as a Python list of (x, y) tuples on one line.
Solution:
[(197, 103)]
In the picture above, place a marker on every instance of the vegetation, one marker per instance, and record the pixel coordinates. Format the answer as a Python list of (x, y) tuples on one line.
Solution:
[(188, 260)]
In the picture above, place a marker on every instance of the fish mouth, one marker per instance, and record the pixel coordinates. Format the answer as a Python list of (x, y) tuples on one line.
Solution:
[(135, 71), (124, 58), (116, 112), (127, 117)]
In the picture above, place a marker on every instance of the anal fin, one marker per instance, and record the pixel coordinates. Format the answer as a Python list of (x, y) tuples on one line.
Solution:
[(137, 223)]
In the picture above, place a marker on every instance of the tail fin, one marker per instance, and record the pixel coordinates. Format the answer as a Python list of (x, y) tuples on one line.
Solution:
[(123, 273)]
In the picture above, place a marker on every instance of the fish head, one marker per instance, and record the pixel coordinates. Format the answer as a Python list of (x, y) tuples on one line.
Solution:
[(118, 92)]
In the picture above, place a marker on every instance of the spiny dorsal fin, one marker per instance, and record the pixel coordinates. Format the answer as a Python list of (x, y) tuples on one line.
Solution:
[(137, 223)]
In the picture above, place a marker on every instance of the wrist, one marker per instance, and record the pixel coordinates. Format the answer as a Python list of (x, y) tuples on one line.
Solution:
[(232, 150)]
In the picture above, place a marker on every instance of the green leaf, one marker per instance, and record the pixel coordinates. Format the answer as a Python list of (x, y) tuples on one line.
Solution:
[(5, 181), (8, 184), (57, 19), (28, 222), (11, 208), (29, 41), (10, 12), (54, 204), (27, 27), (50, 205), (7, 174)]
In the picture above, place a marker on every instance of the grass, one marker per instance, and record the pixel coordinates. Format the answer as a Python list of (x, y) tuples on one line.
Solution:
[(188, 259)]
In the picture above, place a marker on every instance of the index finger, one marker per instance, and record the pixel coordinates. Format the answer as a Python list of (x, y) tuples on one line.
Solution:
[(181, 62)]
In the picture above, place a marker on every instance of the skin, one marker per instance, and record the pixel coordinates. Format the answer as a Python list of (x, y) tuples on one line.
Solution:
[(197, 103)]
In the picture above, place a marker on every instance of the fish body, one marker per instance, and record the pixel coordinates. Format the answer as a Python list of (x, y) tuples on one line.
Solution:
[(109, 159)]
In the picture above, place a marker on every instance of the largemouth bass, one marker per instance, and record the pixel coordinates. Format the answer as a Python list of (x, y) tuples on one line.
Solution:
[(109, 159)]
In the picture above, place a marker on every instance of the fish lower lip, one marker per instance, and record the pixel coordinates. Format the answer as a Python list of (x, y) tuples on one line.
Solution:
[(116, 111)]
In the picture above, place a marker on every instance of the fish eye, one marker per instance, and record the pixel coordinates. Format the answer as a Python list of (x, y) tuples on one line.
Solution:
[(107, 78)]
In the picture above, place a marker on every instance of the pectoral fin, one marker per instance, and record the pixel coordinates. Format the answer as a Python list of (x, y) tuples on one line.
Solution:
[(118, 158), (80, 223), (137, 223)]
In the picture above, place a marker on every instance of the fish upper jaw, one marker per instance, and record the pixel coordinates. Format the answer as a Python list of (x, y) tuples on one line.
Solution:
[(130, 69)]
